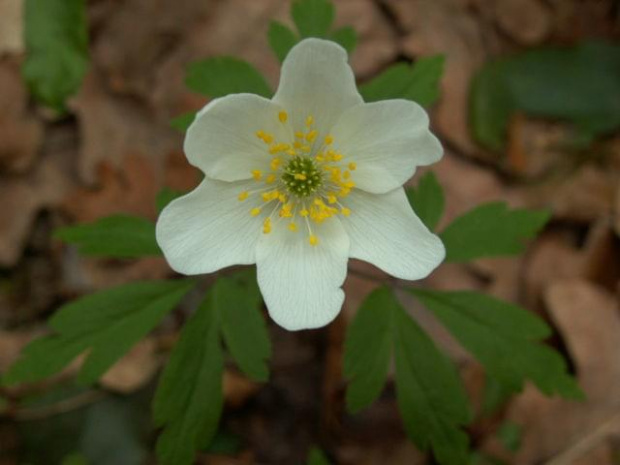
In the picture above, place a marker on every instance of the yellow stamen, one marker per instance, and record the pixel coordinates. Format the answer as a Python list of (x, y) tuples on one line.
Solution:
[(311, 136), (243, 195), (345, 211), (257, 174), (282, 116), (255, 211), (301, 177), (313, 239), (309, 121), (265, 137), (331, 198), (329, 139), (299, 135), (292, 227), (275, 164), (270, 179), (352, 166), (304, 212), (267, 226)]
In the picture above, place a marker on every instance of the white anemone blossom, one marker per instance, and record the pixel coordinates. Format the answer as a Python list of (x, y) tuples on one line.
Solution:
[(301, 183)]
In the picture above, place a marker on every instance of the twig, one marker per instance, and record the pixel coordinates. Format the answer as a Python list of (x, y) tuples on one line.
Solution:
[(587, 443), (58, 408)]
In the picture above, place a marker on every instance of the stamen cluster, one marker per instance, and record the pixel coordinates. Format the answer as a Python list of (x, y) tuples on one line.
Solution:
[(306, 179)]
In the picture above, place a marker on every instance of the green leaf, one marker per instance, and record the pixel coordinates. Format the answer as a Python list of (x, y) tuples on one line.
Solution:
[(225, 443), (509, 435), (347, 37), (504, 338), (427, 200), (237, 301), (184, 121), (495, 395), (579, 84), (107, 324), (367, 350), (317, 457), (56, 38), (281, 39), (165, 196), (221, 76), (430, 396), (118, 236), (313, 18), (418, 82), (188, 402), (491, 230)]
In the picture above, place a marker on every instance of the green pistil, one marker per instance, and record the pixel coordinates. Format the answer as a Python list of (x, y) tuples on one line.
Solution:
[(302, 166)]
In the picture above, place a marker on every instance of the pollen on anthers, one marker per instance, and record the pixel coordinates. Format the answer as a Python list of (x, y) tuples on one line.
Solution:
[(303, 183)]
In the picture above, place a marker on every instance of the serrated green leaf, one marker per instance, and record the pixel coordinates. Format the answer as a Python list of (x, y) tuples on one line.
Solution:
[(107, 324), (165, 196), (317, 457), (56, 38), (313, 18), (504, 338), (346, 37), (188, 402), (281, 39), (183, 122), (367, 350), (221, 76), (430, 395), (491, 230), (578, 84), (427, 200), (237, 300), (431, 399), (118, 236), (418, 82)]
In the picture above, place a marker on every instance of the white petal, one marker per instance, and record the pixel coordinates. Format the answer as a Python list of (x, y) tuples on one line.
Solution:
[(222, 139), (384, 231), (387, 140), (209, 228), (301, 283), (317, 80)]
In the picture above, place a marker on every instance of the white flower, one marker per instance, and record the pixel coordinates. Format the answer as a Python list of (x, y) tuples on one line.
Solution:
[(301, 183)]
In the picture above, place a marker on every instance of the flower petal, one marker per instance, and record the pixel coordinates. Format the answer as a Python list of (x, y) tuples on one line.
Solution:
[(387, 140), (209, 228), (301, 283), (317, 80), (384, 231), (222, 140)]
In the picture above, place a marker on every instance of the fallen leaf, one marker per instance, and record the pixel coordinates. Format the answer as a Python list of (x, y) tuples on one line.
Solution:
[(21, 132), (23, 197), (112, 126), (11, 25), (130, 188), (527, 22)]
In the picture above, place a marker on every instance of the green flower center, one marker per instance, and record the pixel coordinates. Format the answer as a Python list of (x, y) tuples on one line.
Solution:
[(302, 177)]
